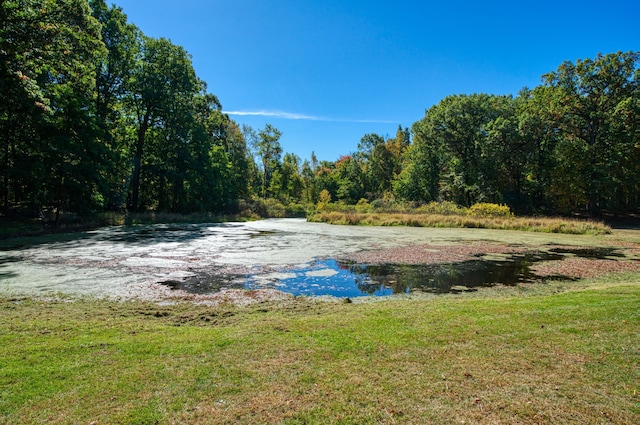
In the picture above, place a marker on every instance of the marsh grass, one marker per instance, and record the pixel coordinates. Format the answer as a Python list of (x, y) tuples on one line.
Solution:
[(532, 224), (506, 355)]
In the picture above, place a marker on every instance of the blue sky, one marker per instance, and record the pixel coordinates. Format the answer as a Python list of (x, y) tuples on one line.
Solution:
[(327, 72)]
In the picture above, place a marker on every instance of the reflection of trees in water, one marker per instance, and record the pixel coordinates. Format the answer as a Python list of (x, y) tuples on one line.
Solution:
[(372, 278), (385, 278), (441, 278)]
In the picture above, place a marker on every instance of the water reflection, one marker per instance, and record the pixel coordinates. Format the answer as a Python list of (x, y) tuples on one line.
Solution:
[(446, 278), (321, 277), (349, 279), (590, 253), (345, 279)]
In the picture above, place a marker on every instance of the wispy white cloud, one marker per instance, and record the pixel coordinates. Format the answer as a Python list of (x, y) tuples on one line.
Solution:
[(276, 114), (297, 116), (370, 121)]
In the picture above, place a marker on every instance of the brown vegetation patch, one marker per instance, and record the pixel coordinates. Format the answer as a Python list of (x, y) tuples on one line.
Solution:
[(432, 254), (631, 247), (583, 267)]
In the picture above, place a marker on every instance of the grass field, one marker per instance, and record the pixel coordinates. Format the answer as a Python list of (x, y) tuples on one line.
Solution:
[(560, 353)]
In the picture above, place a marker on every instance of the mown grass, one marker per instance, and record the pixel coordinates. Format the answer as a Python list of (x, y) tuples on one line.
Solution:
[(532, 224), (539, 357)]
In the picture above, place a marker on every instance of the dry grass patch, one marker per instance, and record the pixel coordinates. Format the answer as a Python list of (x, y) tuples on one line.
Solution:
[(548, 225)]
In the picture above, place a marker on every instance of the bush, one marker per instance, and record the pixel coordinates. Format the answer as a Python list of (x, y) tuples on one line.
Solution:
[(254, 207), (363, 206), (275, 208), (262, 208), (323, 200), (489, 210), (270, 208), (296, 210), (442, 208)]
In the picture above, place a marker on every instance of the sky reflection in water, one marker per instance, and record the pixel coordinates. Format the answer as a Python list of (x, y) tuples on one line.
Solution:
[(343, 279)]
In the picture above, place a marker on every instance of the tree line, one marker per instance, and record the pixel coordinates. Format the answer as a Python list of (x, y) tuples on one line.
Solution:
[(570, 145), (96, 116)]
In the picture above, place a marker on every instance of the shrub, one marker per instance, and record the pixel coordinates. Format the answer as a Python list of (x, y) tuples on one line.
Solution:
[(296, 210), (442, 208), (275, 208), (323, 200), (258, 207), (363, 206), (485, 209)]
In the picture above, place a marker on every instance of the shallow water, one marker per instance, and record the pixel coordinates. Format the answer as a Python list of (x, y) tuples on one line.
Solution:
[(287, 254), (348, 279)]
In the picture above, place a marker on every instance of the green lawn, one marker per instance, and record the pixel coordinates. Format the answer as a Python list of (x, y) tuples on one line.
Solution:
[(508, 357)]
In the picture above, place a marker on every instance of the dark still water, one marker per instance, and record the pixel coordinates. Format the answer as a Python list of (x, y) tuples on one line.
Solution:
[(347, 279)]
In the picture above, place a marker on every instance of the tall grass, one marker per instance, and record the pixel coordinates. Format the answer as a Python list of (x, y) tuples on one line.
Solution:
[(532, 224)]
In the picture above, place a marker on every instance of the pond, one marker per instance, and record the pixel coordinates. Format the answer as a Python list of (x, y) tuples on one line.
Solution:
[(348, 279), (289, 255)]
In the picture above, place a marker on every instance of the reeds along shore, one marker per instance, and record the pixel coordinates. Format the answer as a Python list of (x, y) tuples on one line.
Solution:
[(532, 224)]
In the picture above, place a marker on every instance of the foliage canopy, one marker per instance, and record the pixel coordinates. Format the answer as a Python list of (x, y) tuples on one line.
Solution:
[(96, 116)]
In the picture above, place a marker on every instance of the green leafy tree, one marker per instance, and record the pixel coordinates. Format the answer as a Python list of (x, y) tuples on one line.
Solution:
[(114, 73), (381, 169), (508, 152), (292, 182), (243, 168), (47, 77), (267, 145), (163, 85), (326, 178), (374, 160), (309, 194), (367, 144), (536, 126), (397, 147), (419, 179), (595, 102), (350, 180), (457, 127), (123, 42)]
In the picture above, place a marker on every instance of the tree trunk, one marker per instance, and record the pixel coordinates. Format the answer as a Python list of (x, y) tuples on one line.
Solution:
[(5, 180), (137, 162), (593, 193)]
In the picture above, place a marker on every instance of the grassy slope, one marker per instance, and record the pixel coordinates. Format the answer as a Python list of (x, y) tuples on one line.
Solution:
[(568, 357)]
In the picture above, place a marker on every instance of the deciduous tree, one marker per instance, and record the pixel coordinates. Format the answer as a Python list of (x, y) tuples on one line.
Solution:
[(595, 103)]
